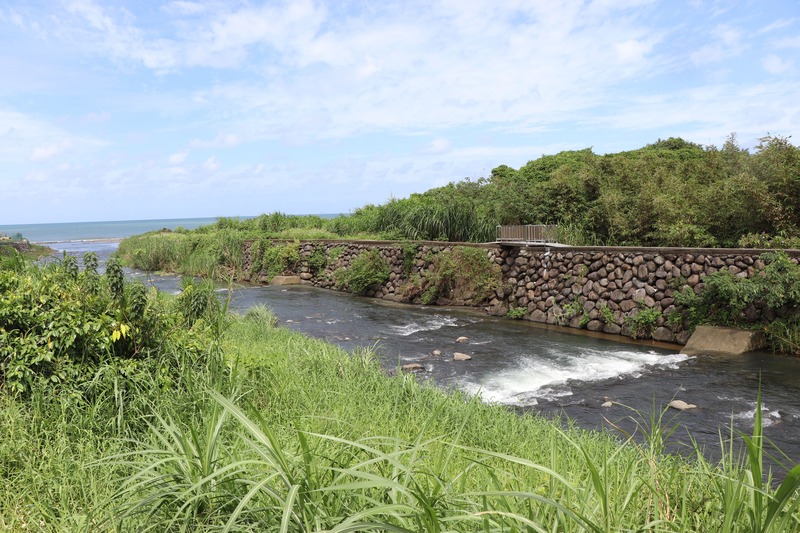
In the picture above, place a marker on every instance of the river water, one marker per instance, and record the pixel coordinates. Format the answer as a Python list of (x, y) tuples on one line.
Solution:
[(531, 367)]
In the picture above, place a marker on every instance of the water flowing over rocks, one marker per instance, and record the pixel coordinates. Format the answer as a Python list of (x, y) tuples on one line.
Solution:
[(600, 289)]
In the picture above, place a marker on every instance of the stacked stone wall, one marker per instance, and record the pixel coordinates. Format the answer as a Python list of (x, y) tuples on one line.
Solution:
[(599, 289)]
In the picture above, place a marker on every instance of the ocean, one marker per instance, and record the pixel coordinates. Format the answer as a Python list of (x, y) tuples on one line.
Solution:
[(114, 229), (87, 231)]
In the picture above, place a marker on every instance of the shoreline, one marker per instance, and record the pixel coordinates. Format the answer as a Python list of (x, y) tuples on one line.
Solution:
[(102, 239)]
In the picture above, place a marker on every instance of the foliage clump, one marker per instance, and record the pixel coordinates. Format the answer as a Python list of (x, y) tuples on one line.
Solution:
[(769, 300), (273, 258), (60, 324), (641, 322), (366, 272), (461, 273)]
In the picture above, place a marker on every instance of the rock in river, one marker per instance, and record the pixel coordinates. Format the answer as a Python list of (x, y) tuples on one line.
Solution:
[(680, 405)]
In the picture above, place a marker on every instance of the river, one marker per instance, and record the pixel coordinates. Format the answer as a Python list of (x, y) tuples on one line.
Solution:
[(552, 370)]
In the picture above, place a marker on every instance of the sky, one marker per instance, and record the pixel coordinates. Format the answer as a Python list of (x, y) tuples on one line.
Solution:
[(145, 109)]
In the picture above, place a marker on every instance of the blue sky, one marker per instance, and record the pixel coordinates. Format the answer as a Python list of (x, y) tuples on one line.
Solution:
[(118, 110)]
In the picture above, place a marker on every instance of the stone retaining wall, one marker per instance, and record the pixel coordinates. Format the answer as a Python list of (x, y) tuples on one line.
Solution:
[(600, 288)]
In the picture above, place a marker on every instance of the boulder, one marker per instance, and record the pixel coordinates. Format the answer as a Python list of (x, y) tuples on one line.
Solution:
[(537, 316), (680, 405), (462, 340), (458, 356), (663, 334), (594, 325), (412, 367)]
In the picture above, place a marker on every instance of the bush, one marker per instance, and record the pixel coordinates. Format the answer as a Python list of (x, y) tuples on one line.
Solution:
[(463, 273), (768, 300), (641, 322), (273, 259), (517, 313), (59, 324), (367, 271)]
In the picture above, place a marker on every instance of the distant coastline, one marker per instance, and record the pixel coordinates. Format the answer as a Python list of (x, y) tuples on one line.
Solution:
[(99, 231), (108, 231)]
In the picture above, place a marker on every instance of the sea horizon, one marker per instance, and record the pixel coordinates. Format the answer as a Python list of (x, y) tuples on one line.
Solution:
[(49, 232)]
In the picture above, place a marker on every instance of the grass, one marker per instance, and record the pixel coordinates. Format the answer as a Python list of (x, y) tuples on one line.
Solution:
[(279, 432)]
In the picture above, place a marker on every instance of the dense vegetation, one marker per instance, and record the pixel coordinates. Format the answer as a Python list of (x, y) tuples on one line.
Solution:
[(669, 193), (769, 301), (190, 419)]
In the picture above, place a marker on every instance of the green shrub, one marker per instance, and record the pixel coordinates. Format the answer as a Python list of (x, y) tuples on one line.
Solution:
[(318, 260), (410, 251), (769, 300), (274, 259), (367, 271), (335, 253), (462, 273), (641, 322), (606, 314), (517, 313), (60, 325)]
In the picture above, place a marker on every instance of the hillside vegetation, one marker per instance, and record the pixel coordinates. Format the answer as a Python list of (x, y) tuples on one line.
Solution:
[(669, 193)]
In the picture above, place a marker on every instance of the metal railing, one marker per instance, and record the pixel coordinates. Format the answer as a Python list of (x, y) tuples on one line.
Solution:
[(530, 234)]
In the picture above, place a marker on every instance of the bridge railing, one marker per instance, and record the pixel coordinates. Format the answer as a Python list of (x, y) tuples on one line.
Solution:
[(528, 234)]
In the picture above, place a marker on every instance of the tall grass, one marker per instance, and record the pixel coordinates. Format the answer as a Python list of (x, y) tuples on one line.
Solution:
[(278, 432)]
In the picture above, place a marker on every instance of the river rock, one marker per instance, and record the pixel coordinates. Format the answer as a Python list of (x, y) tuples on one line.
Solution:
[(436, 353), (462, 340), (680, 405), (594, 325), (538, 316), (412, 367), (663, 334), (458, 356), (607, 404)]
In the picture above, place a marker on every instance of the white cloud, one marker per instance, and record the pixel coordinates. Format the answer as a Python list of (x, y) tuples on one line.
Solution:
[(178, 157), (727, 43), (437, 146), (41, 153), (180, 7), (789, 42), (222, 140), (776, 65), (122, 40), (632, 50), (211, 164)]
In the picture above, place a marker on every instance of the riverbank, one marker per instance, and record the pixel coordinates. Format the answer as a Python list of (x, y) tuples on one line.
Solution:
[(644, 293), (276, 430), (197, 419)]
